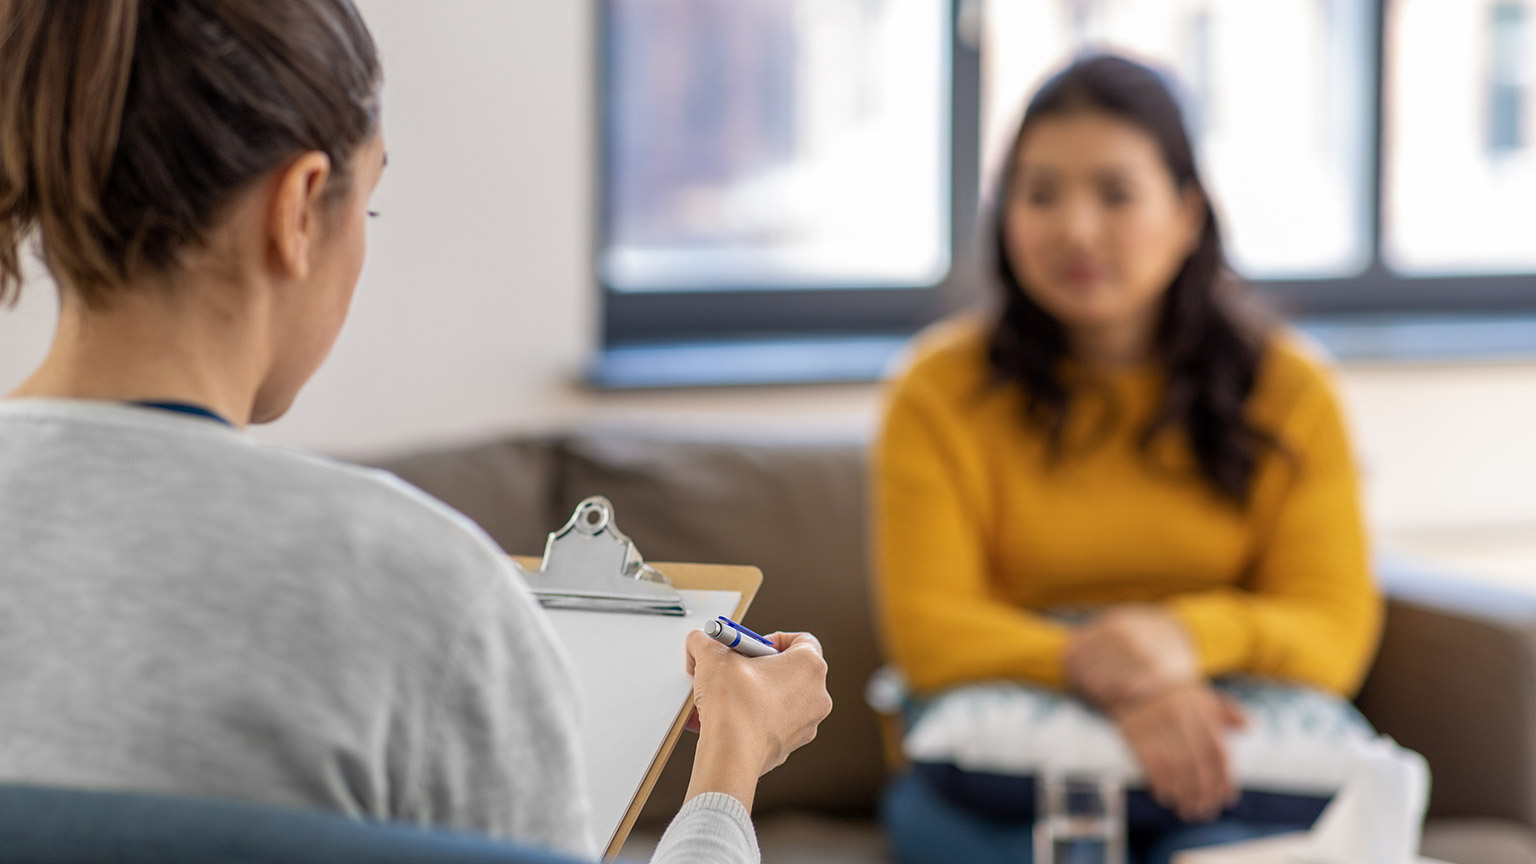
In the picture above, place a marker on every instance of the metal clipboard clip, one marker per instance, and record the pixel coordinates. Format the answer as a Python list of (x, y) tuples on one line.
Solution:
[(590, 564)]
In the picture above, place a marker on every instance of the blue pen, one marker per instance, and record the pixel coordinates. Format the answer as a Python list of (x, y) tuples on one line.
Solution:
[(738, 638)]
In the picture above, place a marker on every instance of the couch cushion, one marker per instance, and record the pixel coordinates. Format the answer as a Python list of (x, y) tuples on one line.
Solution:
[(794, 509), (506, 486), (1479, 841)]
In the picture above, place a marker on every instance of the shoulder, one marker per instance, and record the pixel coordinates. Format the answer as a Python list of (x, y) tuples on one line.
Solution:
[(367, 544), (1296, 382), (948, 359), (419, 567), (314, 523), (944, 398), (386, 517)]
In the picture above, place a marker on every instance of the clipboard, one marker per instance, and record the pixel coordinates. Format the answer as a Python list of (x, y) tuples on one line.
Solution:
[(612, 725)]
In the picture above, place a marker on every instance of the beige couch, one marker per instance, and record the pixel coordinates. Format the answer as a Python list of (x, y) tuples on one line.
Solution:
[(1455, 679)]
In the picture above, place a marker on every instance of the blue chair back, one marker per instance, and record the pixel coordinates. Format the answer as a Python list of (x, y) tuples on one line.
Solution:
[(46, 825)]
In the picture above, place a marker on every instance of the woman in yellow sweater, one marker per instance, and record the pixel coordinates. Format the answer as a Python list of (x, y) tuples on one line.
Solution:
[(1123, 443)]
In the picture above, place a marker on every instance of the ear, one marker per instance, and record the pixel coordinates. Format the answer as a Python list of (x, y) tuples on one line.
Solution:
[(1193, 210), (295, 219)]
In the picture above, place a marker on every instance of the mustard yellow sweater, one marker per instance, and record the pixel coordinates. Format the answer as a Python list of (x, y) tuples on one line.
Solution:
[(977, 531)]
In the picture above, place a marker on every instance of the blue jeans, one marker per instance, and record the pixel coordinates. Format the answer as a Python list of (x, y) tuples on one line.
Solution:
[(924, 827)]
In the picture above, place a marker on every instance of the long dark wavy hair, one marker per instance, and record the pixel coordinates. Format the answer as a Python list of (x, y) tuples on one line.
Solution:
[(1209, 337)]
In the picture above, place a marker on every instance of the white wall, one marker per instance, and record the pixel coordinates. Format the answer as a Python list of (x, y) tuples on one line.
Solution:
[(477, 308), (1449, 461)]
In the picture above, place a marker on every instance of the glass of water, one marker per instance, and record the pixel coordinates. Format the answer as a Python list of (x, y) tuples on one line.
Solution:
[(1080, 819)]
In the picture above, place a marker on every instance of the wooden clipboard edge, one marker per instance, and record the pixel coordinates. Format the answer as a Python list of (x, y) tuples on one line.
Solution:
[(690, 577)]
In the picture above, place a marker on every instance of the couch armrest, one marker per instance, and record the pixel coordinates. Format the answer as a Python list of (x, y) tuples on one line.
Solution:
[(1456, 680)]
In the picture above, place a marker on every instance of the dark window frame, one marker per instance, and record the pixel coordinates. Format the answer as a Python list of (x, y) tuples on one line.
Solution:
[(631, 320)]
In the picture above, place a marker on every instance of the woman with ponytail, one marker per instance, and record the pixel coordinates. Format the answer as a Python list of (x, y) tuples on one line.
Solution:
[(1117, 490), (185, 610)]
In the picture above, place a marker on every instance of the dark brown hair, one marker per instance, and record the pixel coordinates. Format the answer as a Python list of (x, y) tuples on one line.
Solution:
[(127, 125), (1209, 337)]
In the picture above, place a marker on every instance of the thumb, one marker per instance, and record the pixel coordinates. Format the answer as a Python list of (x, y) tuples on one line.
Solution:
[(700, 648)]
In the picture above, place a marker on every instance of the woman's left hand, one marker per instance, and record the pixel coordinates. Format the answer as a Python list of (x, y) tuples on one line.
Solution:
[(1179, 737), (1129, 654)]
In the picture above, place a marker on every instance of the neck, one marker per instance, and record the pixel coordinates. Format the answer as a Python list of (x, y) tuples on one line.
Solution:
[(1120, 346), (159, 345)]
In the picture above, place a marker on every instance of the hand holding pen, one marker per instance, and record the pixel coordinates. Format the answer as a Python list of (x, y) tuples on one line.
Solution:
[(752, 712), (737, 638)]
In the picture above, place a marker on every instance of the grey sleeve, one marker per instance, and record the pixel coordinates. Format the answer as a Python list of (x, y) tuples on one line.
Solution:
[(712, 828), (502, 754)]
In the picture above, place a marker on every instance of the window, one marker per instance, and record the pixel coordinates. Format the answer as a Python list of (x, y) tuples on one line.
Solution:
[(1461, 162), (765, 161), (762, 144)]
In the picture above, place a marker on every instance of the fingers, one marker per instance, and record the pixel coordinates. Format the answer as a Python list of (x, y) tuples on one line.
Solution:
[(1195, 770), (1179, 739), (796, 642), (1157, 762), (1204, 776), (1158, 755), (805, 701), (804, 651)]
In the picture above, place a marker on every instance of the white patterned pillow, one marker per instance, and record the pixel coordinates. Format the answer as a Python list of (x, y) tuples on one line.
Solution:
[(1297, 740)]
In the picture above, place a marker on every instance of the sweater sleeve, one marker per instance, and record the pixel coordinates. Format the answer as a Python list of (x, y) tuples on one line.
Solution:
[(1309, 611), (712, 828), (941, 622)]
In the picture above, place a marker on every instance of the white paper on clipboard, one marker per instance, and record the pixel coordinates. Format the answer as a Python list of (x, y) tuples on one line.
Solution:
[(633, 682)]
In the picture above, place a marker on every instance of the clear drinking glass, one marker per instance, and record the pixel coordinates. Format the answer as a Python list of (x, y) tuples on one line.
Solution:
[(1080, 820)]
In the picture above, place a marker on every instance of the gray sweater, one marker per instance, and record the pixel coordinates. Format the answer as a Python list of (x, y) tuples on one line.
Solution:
[(185, 610)]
